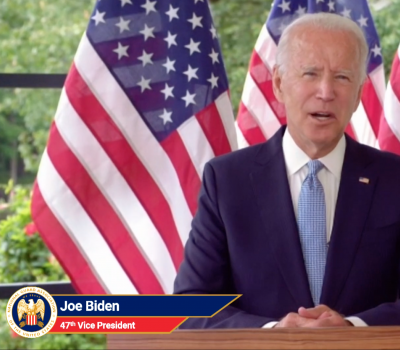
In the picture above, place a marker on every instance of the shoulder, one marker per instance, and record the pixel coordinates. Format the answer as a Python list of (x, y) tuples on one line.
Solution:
[(249, 157), (245, 155), (382, 160)]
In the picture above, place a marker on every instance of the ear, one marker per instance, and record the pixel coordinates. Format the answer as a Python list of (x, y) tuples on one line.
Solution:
[(359, 96), (276, 83)]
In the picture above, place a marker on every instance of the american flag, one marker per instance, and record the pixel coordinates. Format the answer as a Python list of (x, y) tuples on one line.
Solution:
[(389, 132), (144, 107), (260, 114)]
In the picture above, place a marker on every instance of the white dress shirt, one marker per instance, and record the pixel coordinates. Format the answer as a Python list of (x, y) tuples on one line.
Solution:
[(329, 176)]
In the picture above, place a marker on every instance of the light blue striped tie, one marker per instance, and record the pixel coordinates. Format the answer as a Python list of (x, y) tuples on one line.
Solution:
[(312, 228)]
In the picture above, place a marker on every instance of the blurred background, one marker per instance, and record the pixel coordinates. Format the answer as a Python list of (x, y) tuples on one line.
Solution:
[(42, 37)]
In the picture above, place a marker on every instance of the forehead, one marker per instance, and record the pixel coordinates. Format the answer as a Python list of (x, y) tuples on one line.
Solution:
[(315, 46)]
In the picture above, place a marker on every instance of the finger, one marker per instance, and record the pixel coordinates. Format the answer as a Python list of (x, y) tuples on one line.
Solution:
[(333, 321), (291, 320), (307, 313), (326, 314), (314, 312)]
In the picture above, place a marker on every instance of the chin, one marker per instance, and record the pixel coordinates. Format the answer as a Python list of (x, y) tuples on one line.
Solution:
[(324, 135)]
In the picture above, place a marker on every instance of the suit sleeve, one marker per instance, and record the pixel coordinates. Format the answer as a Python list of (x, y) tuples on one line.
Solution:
[(206, 267), (387, 314)]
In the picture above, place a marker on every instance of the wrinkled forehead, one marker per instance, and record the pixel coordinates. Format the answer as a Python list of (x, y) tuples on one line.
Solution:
[(321, 37), (338, 47)]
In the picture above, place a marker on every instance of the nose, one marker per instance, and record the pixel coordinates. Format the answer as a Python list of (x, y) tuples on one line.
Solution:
[(326, 89)]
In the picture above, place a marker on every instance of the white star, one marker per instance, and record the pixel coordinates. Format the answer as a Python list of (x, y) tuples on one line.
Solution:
[(214, 56), (213, 81), (189, 98), (196, 1), (318, 1), (144, 84), (124, 2), (149, 6), (191, 73), (169, 65), (172, 13), (99, 17), (146, 58), (282, 27), (147, 32), (123, 25), (346, 13), (331, 5), (285, 6), (376, 51), (213, 32), (167, 91), (170, 39), (193, 46), (196, 21), (301, 10), (363, 21), (166, 117), (121, 50)]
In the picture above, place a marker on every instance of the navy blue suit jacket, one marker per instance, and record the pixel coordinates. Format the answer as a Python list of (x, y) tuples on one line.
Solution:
[(244, 239)]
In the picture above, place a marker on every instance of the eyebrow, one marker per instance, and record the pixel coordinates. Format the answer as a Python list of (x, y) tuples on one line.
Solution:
[(314, 68)]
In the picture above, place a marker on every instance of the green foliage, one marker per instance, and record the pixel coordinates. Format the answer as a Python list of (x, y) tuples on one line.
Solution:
[(35, 37), (238, 24), (387, 24), (24, 258)]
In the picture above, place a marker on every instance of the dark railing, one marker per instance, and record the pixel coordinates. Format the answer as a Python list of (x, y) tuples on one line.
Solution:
[(8, 289), (35, 81)]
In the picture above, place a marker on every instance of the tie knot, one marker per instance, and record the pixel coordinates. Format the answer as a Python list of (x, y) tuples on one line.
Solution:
[(314, 166)]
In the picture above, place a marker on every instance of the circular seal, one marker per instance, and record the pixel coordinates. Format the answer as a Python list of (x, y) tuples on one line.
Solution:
[(31, 312)]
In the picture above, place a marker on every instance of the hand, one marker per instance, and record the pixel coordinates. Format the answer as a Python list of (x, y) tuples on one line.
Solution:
[(319, 316), (323, 316), (294, 320)]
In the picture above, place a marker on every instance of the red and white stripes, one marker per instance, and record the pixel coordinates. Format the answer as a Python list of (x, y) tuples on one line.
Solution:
[(113, 203), (31, 320), (389, 135)]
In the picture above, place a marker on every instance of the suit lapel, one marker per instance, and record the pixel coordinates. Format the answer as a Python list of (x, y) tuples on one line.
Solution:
[(353, 203), (273, 196)]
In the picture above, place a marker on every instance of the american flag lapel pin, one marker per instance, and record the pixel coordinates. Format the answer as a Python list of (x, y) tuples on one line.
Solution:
[(364, 180)]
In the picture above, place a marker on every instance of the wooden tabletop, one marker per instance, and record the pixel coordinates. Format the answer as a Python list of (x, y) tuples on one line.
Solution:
[(289, 338)]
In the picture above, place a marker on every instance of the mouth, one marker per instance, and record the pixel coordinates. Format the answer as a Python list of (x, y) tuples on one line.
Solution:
[(322, 116)]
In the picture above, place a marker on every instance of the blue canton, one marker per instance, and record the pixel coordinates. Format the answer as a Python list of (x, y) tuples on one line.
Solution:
[(285, 11), (164, 54)]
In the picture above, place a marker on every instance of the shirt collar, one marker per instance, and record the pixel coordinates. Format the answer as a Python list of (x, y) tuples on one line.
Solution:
[(295, 158)]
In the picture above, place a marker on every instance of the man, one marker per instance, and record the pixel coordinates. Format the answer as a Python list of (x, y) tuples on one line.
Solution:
[(307, 225)]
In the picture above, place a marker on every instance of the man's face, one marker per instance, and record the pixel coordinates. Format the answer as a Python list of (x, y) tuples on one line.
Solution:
[(320, 87)]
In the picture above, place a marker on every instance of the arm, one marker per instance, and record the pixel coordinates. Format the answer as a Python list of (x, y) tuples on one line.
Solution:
[(206, 266), (383, 315)]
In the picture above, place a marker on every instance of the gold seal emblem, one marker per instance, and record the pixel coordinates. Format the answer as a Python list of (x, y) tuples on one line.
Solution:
[(31, 312)]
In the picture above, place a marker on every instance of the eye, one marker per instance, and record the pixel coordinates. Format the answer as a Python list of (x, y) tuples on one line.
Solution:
[(342, 77), (309, 74)]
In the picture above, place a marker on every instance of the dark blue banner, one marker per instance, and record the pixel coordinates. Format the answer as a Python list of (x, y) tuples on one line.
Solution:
[(142, 305)]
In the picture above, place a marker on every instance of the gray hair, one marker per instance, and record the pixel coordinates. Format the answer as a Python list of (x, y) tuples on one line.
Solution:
[(327, 21)]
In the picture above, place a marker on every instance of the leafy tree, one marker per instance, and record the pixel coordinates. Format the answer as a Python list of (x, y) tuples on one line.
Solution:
[(388, 26), (25, 258), (238, 24), (35, 37)]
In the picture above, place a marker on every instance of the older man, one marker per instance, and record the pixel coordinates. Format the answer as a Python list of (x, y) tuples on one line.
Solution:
[(307, 225)]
